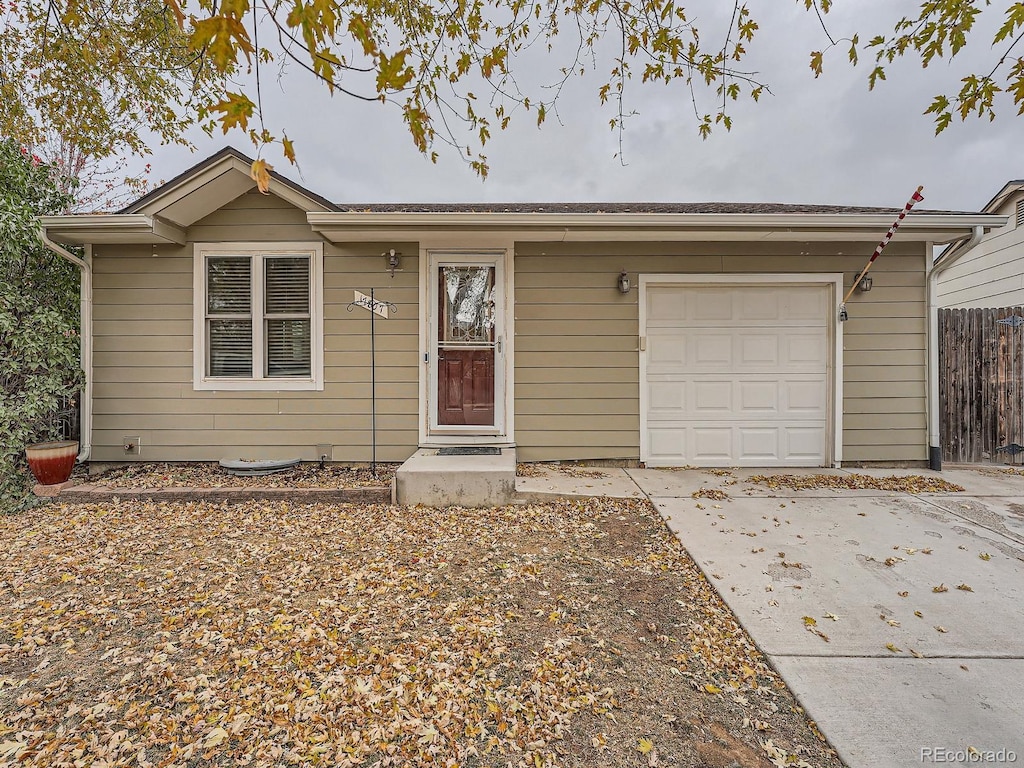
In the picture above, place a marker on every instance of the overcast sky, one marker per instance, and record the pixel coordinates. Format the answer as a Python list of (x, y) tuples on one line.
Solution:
[(826, 140)]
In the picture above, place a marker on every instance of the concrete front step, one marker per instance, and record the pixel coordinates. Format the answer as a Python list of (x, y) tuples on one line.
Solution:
[(465, 481)]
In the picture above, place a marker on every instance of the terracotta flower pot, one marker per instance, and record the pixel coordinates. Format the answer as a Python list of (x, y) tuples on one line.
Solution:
[(51, 463)]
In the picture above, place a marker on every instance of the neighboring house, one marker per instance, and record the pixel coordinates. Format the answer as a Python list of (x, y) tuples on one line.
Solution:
[(981, 282), (220, 328), (990, 272)]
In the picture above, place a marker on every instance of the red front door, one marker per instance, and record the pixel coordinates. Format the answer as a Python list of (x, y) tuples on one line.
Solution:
[(465, 345)]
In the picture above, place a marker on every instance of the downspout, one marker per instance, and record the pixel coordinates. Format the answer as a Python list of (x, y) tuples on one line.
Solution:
[(85, 266), (932, 273)]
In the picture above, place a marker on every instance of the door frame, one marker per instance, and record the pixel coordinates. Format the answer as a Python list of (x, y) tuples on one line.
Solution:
[(833, 329), (431, 432)]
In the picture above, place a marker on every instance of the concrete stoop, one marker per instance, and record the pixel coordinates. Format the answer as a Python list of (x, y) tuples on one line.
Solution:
[(465, 481)]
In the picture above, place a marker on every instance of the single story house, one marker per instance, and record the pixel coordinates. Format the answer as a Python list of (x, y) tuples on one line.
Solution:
[(219, 322), (989, 272)]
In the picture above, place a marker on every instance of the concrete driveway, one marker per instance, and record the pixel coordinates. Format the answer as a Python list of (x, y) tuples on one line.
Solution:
[(915, 670)]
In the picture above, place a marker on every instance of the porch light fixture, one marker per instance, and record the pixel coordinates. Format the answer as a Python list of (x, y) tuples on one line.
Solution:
[(623, 282), (393, 259), (865, 284)]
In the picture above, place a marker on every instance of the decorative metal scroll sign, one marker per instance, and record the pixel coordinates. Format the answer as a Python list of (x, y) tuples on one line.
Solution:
[(368, 302), (376, 308), (1015, 321)]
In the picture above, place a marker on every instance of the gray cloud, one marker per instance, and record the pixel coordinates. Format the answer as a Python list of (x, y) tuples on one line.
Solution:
[(825, 140)]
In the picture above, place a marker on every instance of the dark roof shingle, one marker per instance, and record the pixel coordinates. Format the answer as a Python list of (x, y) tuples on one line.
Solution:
[(583, 208)]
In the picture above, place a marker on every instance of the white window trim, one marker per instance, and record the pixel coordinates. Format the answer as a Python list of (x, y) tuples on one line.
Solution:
[(202, 382)]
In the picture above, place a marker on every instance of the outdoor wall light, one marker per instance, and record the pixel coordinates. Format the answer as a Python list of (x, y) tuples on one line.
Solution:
[(865, 284), (393, 259), (623, 282)]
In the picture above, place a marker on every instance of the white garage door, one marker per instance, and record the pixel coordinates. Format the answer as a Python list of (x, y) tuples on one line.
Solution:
[(736, 375)]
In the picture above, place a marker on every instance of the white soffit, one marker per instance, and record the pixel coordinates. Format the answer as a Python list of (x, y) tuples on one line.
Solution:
[(373, 226)]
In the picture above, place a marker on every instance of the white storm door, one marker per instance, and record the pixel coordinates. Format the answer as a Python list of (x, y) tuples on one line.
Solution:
[(467, 364)]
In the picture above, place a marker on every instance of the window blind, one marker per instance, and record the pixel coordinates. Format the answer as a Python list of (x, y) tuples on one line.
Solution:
[(229, 316), (287, 316)]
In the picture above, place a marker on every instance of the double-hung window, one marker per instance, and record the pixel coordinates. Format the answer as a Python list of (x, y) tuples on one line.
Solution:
[(258, 316)]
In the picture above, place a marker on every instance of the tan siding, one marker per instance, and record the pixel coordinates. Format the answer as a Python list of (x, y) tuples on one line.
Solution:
[(252, 217), (143, 357), (578, 397), (576, 377)]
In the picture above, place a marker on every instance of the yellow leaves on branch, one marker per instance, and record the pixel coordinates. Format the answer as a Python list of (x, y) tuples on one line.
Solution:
[(260, 173), (236, 109)]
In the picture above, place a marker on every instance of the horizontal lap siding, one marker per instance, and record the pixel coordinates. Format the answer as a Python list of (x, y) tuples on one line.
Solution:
[(577, 360), (143, 354)]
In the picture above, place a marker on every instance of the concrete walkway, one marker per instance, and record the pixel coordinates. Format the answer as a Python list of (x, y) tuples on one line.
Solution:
[(915, 670)]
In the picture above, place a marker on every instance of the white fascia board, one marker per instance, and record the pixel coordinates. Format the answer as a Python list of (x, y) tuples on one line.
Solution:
[(355, 227), (111, 228)]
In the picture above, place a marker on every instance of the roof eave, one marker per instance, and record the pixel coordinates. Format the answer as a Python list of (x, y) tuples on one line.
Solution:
[(352, 226), (113, 228)]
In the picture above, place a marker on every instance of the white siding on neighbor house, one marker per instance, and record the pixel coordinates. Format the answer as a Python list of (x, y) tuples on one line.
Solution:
[(992, 273)]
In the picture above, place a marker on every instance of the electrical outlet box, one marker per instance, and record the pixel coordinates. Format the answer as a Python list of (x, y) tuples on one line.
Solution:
[(325, 450), (132, 445)]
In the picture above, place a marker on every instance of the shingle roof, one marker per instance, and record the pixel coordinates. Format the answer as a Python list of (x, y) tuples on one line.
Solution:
[(675, 208), (556, 208)]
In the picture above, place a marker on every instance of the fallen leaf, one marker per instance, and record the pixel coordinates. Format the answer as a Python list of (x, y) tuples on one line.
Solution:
[(644, 746), (893, 648), (985, 556), (903, 594), (940, 588), (916, 654), (810, 621), (964, 588), (919, 614), (215, 737), (831, 616), (940, 629)]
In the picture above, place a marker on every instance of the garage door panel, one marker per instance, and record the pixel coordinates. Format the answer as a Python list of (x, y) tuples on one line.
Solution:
[(758, 398), (711, 351), (760, 351), (709, 443), (711, 399), (758, 445), (805, 398), (735, 351), (777, 445), (805, 349), (737, 375), (711, 305), (666, 351), (737, 398), (803, 444)]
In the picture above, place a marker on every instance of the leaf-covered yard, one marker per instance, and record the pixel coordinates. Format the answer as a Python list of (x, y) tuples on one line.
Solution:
[(574, 634)]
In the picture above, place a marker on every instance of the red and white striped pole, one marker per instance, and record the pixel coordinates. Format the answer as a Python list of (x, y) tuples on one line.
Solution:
[(915, 198)]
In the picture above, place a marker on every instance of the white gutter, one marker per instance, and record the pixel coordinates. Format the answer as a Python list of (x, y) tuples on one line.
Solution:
[(701, 221), (85, 266), (932, 273)]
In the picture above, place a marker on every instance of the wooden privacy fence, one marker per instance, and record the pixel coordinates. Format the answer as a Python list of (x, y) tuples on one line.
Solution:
[(981, 384)]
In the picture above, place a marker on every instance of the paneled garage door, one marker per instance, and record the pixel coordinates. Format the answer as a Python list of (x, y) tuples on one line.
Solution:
[(736, 375)]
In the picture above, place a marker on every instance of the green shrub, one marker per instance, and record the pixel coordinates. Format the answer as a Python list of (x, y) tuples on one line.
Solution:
[(39, 342)]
